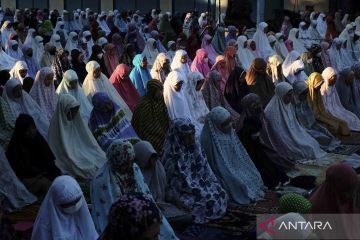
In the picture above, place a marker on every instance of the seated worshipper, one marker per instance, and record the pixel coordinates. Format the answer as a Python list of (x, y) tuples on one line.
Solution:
[(108, 121), (214, 97), (190, 178), (7, 119), (236, 88), (171, 50), (271, 174), (152, 169), (332, 101), (274, 69), (72, 42), (337, 59), (209, 48), (308, 60), (19, 71), (122, 83), (259, 82), (161, 68), (96, 81), (133, 216), (180, 63), (110, 57), (282, 131), (98, 56), (151, 119), (289, 60), (193, 43), (62, 32), (31, 61), (128, 55), (344, 87), (70, 85), (78, 65), (175, 97), (251, 45), (150, 52), (60, 65), (13, 50), (49, 55), (306, 118), (221, 66), (280, 47), (21, 102), (298, 45), (336, 126), (219, 40), (243, 53), (76, 150), (64, 213), (230, 57), (140, 74), (262, 42), (43, 91), (296, 72), (16, 195), (229, 159), (195, 99), (30, 156), (201, 62), (120, 175), (55, 40)]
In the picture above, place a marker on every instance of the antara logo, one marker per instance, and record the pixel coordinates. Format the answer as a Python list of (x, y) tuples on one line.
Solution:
[(303, 225)]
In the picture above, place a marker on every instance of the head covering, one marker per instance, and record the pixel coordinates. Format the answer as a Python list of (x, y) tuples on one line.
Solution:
[(92, 85), (244, 54), (230, 56), (273, 63), (154, 176), (251, 106), (55, 40), (53, 222), (183, 68), (321, 25), (25, 104), (280, 47), (44, 95), (117, 40), (199, 64), (151, 119), (219, 40), (60, 29), (5, 33), (297, 44), (262, 42), (72, 43), (77, 93), (289, 60), (139, 76), (31, 62), (85, 157), (206, 44), (236, 88), (336, 58), (102, 23), (293, 202), (221, 66), (30, 39), (16, 54), (222, 146), (111, 125), (325, 57), (15, 71), (185, 181), (110, 57), (157, 71), (150, 52), (60, 66), (297, 72)]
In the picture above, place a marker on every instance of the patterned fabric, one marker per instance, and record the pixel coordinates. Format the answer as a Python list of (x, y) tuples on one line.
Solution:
[(189, 175), (59, 66), (119, 153), (295, 203), (108, 125), (7, 125)]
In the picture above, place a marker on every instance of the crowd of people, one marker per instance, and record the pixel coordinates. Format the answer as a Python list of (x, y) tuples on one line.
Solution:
[(140, 110)]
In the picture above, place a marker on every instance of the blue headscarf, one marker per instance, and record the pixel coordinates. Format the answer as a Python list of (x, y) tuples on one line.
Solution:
[(139, 76)]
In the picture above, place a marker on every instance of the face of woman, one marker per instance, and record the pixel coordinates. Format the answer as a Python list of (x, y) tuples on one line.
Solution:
[(184, 59), (253, 46), (31, 132), (226, 126), (178, 86), (17, 91), (72, 113), (73, 84), (71, 207), (188, 140), (288, 97), (199, 84), (144, 63), (332, 80), (108, 107), (297, 34), (48, 79), (65, 58), (23, 72), (350, 78), (97, 73)]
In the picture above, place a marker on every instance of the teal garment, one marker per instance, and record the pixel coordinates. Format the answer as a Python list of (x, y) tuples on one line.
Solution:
[(139, 76), (106, 188), (229, 160), (219, 41)]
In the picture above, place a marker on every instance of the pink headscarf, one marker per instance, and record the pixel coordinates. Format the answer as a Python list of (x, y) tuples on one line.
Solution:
[(288, 45), (199, 65), (207, 45), (221, 66), (122, 83)]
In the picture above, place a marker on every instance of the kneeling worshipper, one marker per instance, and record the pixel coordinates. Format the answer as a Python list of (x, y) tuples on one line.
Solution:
[(345, 88), (271, 174), (7, 119), (214, 97), (140, 75), (123, 85), (336, 126), (16, 194), (19, 71), (174, 96), (243, 53), (332, 101), (30, 156), (150, 52), (70, 85), (306, 118), (21, 102), (108, 121), (259, 82), (282, 131), (29, 58), (75, 148), (133, 216), (289, 60), (180, 63), (161, 68), (43, 92), (190, 178), (236, 88), (119, 176), (96, 81), (229, 159), (195, 99), (262, 42), (152, 169), (151, 119), (64, 213), (201, 62)]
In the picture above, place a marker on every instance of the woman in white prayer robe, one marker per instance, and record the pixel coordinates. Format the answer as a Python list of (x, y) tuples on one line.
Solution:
[(243, 53), (298, 45), (262, 42)]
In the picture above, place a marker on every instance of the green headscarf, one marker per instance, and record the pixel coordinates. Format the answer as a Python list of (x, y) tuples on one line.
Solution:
[(46, 27)]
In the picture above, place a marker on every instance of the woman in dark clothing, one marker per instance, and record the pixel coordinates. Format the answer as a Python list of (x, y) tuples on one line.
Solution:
[(60, 65), (98, 56), (193, 43), (236, 88), (78, 65), (30, 156)]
